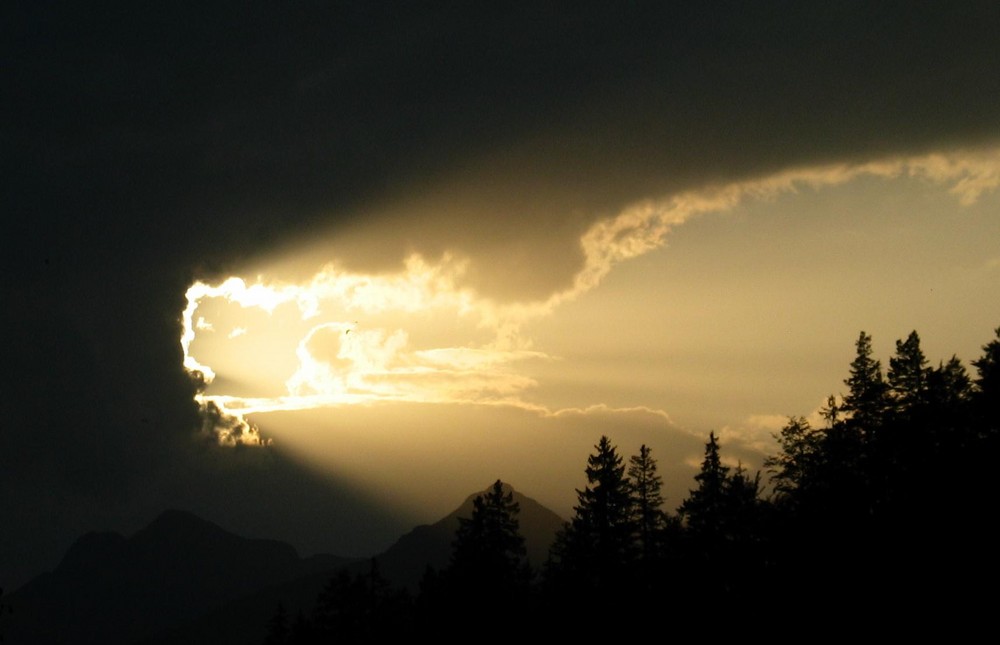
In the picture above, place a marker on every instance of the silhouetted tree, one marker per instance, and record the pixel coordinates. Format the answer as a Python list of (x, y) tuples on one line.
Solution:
[(705, 507), (743, 495), (852, 492), (987, 387), (795, 468), (976, 478), (907, 376), (488, 569), (594, 548), (928, 417), (723, 508), (856, 454), (341, 607), (647, 503), (723, 536), (866, 400), (949, 385), (361, 608), (278, 631), (488, 558), (988, 366)]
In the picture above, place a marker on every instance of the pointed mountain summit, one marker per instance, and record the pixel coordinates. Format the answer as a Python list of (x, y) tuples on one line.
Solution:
[(183, 579), (402, 565), (429, 545)]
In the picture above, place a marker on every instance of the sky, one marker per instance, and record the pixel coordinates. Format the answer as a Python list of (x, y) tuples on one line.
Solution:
[(317, 271)]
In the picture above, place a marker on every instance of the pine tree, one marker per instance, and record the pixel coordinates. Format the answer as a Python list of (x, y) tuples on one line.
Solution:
[(743, 501), (795, 468), (948, 412), (705, 508), (647, 502), (866, 398), (342, 607), (488, 551), (362, 607), (987, 388), (988, 366), (949, 384), (488, 569), (722, 517), (594, 548), (908, 373)]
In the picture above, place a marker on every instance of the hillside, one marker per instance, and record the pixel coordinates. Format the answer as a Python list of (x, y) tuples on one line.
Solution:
[(185, 580), (109, 588)]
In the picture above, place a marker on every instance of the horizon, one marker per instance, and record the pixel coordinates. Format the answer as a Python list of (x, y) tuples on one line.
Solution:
[(311, 271)]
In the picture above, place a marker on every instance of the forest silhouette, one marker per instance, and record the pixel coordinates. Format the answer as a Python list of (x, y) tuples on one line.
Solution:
[(879, 518)]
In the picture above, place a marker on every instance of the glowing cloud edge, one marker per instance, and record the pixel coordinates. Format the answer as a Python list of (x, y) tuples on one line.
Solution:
[(478, 375)]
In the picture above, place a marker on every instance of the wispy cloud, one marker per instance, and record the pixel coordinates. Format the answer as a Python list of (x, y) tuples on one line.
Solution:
[(420, 335)]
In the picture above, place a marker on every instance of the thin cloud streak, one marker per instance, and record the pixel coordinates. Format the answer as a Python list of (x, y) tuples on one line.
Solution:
[(340, 363)]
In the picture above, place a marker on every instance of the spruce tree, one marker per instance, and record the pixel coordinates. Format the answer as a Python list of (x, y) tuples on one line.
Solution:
[(988, 367), (949, 384), (987, 388), (488, 569), (857, 453), (360, 607), (488, 552), (722, 525), (742, 515), (647, 502), (908, 373), (867, 390), (795, 468), (705, 507), (594, 549)]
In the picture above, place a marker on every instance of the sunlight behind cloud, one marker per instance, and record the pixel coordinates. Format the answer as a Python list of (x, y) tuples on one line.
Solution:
[(422, 334), (337, 340)]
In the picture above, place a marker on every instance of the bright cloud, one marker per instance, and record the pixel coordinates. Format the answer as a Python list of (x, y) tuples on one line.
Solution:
[(421, 335)]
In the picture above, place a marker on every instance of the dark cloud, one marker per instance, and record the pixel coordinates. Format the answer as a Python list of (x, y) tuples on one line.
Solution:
[(147, 146), (272, 116)]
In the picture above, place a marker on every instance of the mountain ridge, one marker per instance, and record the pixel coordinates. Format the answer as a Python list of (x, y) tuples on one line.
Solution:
[(184, 579), (109, 588), (399, 563)]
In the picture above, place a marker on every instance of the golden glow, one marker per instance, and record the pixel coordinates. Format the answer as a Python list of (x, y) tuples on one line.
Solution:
[(420, 334)]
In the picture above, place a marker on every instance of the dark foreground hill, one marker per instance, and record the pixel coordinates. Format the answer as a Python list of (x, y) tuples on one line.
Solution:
[(185, 580), (245, 620), (113, 589)]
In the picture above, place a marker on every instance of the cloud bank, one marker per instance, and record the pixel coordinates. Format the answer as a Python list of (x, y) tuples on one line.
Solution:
[(369, 338)]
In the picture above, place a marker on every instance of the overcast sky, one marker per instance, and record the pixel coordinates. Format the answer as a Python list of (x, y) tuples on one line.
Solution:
[(414, 248)]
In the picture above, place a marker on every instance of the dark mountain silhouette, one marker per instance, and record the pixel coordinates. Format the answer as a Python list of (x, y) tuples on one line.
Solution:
[(405, 562), (244, 620), (112, 589), (182, 579)]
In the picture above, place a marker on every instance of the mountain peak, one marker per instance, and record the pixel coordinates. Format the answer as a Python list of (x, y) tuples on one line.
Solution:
[(507, 488), (174, 520), (405, 562)]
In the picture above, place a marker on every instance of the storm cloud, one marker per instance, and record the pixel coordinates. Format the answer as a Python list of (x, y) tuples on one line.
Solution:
[(149, 147)]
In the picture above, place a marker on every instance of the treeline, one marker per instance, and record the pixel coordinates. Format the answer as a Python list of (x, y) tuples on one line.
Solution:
[(880, 516)]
